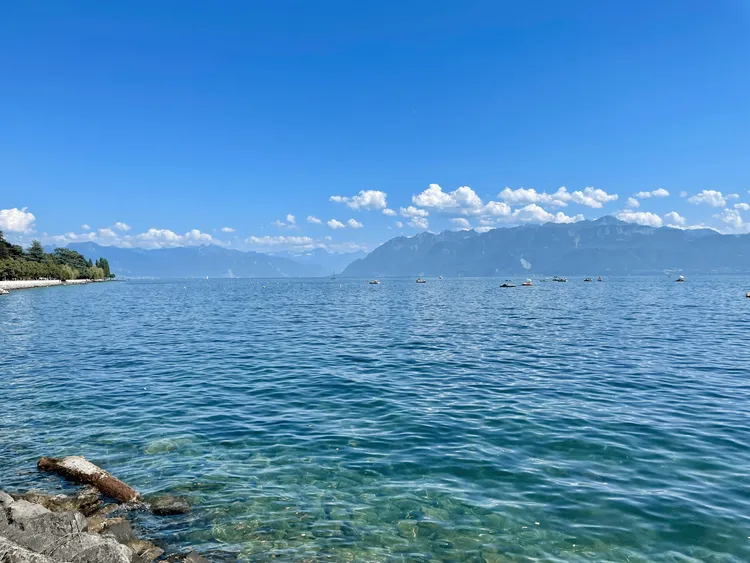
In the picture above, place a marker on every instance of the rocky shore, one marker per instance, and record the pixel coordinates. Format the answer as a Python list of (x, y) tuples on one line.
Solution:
[(28, 284), (88, 527)]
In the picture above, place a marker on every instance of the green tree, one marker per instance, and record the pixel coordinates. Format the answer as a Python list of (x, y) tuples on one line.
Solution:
[(104, 265), (65, 273), (96, 273), (36, 251)]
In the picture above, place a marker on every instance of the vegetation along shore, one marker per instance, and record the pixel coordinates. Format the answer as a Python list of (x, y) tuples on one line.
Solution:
[(34, 264)]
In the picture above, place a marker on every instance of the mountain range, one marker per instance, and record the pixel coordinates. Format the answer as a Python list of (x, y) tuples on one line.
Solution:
[(603, 246), (606, 245), (213, 261)]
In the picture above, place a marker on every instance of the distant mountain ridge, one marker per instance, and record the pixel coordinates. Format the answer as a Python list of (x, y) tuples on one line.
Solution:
[(606, 245), (197, 261)]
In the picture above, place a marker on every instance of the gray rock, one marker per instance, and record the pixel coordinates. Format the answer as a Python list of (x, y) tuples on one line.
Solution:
[(5, 499), (90, 548), (120, 530), (21, 511), (168, 505), (13, 553), (42, 533)]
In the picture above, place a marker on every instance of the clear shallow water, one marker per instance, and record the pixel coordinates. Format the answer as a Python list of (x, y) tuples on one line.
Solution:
[(452, 421)]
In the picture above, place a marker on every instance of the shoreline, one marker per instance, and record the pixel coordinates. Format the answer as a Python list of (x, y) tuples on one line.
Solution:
[(12, 285)]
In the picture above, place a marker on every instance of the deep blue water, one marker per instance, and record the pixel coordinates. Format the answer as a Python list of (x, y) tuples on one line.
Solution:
[(451, 421)]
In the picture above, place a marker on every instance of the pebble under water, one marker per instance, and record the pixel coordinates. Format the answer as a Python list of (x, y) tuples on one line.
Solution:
[(333, 420)]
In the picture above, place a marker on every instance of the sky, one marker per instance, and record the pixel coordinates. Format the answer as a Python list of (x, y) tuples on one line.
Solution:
[(294, 124)]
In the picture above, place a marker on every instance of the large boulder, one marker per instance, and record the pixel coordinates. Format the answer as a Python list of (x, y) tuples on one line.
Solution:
[(90, 548), (40, 534), (13, 553), (21, 511)]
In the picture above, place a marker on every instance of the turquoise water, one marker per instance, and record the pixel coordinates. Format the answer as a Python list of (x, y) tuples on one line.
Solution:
[(332, 420)]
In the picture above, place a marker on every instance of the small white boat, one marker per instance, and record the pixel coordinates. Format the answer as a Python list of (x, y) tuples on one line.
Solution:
[(680, 279), (374, 282), (588, 280), (527, 283), (599, 279), (420, 280), (507, 284)]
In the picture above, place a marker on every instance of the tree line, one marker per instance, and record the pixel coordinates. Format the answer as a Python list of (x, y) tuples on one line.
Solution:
[(34, 263)]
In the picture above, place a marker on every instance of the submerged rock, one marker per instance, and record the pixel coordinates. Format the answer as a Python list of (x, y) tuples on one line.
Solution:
[(169, 505)]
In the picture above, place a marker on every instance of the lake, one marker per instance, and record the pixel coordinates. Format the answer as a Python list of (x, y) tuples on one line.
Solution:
[(333, 420)]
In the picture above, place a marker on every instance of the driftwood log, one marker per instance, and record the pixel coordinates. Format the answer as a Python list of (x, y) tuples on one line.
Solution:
[(77, 468)]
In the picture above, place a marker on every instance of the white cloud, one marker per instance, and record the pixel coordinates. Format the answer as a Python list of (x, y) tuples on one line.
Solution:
[(354, 224), (85, 227), (592, 197), (289, 223), (419, 223), (709, 197), (279, 241), (399, 225), (334, 224), (640, 218), (328, 237), (525, 196), (632, 202), (16, 220), (107, 233), (732, 196), (533, 213), (461, 222), (389, 212), (163, 238), (120, 226), (674, 219), (412, 211), (314, 220), (496, 209), (484, 229), (742, 206), (463, 198), (227, 230), (364, 200), (661, 192), (589, 197), (733, 221)]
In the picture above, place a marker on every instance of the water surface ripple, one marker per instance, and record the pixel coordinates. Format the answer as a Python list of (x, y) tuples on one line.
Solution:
[(332, 420)]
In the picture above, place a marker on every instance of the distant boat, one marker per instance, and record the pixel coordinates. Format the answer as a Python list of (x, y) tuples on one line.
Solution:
[(507, 284), (599, 279), (440, 277), (527, 283), (680, 279), (559, 279), (374, 282), (747, 295), (588, 280), (420, 280)]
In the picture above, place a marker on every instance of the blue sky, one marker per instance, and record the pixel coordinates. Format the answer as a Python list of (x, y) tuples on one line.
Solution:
[(160, 123)]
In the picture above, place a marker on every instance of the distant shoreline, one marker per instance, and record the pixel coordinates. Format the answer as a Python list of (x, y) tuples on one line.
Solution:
[(30, 284)]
